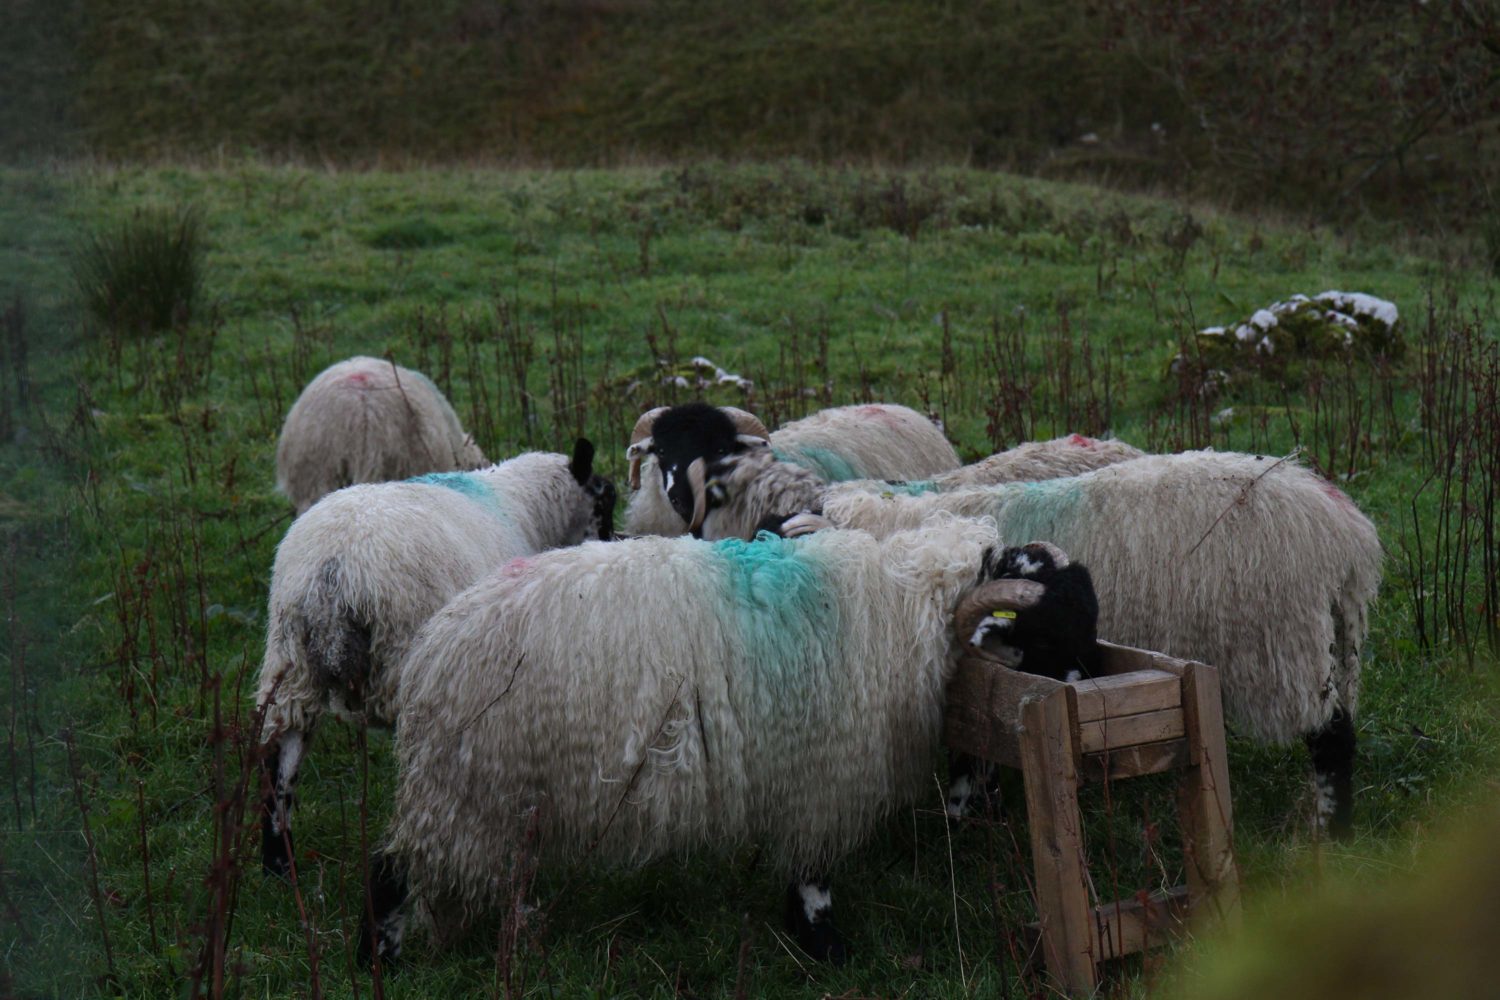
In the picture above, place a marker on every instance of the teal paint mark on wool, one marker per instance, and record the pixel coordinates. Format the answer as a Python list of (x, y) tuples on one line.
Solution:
[(466, 483), (785, 613), (914, 488), (830, 465), (1037, 511)]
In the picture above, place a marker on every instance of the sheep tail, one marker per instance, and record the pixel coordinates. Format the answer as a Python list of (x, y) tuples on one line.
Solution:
[(334, 641)]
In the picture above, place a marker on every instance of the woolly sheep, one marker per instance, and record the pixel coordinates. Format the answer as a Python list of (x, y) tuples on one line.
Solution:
[(870, 441), (359, 573), (1071, 455), (661, 695), (366, 420), (1253, 564)]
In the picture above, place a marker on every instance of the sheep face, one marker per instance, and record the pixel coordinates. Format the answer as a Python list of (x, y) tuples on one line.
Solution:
[(1040, 615), (695, 445), (600, 489)]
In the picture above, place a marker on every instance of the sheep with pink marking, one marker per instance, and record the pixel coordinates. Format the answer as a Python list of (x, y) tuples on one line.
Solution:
[(365, 420)]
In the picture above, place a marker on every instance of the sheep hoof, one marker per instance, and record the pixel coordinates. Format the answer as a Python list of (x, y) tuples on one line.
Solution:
[(275, 852), (824, 943)]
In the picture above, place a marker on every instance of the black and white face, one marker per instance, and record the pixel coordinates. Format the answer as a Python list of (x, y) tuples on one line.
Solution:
[(600, 489), (682, 437)]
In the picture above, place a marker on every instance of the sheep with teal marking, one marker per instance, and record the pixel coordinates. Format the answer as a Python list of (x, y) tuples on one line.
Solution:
[(869, 441), (1254, 564), (661, 696), (357, 575), (366, 420)]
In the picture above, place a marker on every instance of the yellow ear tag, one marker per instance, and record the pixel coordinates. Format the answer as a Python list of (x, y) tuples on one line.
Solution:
[(1002, 614)]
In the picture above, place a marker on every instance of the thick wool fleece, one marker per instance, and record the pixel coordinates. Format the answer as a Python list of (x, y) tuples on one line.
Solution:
[(870, 441), (662, 695), (1253, 564), (366, 420), (1072, 455), (369, 564)]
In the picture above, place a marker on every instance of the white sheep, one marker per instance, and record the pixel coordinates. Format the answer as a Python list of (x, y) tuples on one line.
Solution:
[(869, 441), (661, 695), (365, 420), (359, 573), (1253, 564), (1071, 455)]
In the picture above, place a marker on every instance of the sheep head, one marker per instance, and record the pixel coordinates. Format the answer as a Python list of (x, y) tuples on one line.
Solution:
[(597, 487), (692, 443), (1034, 610)]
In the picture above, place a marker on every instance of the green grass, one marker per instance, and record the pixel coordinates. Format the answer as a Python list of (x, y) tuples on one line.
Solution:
[(140, 524)]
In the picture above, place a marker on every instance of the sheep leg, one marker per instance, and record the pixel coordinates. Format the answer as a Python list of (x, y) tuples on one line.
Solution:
[(384, 919), (282, 759), (972, 784), (809, 916), (1332, 749)]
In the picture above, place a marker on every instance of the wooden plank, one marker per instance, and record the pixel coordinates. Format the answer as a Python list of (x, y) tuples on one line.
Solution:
[(1130, 730), (1049, 758), (1127, 694), (1134, 925), (1132, 762), (983, 716), (1117, 659), (1203, 803)]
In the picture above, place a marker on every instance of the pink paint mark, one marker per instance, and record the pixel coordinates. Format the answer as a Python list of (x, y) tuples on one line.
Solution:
[(1339, 495), (359, 380), (519, 566), (1079, 441), (881, 413)]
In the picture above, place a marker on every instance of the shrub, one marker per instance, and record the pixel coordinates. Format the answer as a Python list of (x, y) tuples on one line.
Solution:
[(145, 274)]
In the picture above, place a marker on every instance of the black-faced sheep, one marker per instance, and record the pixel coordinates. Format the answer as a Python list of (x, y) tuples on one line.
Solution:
[(359, 573), (1255, 565), (662, 695), (365, 420), (872, 441)]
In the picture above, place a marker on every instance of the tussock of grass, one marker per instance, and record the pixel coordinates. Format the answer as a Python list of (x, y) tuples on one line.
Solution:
[(144, 274)]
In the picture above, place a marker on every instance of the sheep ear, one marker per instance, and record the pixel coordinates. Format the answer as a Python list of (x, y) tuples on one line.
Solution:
[(582, 465)]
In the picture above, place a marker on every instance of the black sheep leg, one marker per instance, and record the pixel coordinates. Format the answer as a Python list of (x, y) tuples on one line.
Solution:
[(383, 920), (809, 916), (280, 763), (1332, 749), (973, 786)]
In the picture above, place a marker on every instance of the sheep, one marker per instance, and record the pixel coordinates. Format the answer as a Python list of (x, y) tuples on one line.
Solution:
[(660, 695), (1253, 564), (365, 420), (1071, 455), (358, 574), (872, 441)]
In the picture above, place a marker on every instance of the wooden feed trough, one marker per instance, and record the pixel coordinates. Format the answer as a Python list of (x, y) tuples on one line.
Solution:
[(1146, 713)]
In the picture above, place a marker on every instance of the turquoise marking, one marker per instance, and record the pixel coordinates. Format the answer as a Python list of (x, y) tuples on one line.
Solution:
[(913, 488), (1034, 511), (829, 465), (466, 483), (787, 619)]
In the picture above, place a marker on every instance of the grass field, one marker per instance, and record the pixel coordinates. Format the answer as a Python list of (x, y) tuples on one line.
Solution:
[(140, 521)]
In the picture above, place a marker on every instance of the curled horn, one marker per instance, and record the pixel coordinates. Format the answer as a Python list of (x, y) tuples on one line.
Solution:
[(747, 424), (1015, 595), (640, 443), (1059, 557), (697, 472)]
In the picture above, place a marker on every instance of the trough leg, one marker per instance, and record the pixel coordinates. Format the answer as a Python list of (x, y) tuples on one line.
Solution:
[(281, 760), (1332, 749), (809, 916), (1049, 762), (1203, 805)]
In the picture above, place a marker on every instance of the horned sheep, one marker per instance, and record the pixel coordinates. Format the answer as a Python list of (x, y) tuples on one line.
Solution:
[(365, 420), (358, 574), (664, 695), (1256, 565), (868, 441)]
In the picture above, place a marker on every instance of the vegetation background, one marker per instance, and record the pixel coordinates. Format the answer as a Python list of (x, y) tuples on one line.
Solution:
[(1014, 215)]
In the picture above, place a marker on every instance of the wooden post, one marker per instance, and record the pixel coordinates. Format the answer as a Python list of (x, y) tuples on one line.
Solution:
[(1049, 762), (1203, 805)]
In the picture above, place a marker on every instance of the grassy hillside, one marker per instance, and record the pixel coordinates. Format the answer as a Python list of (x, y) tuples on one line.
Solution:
[(139, 521)]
